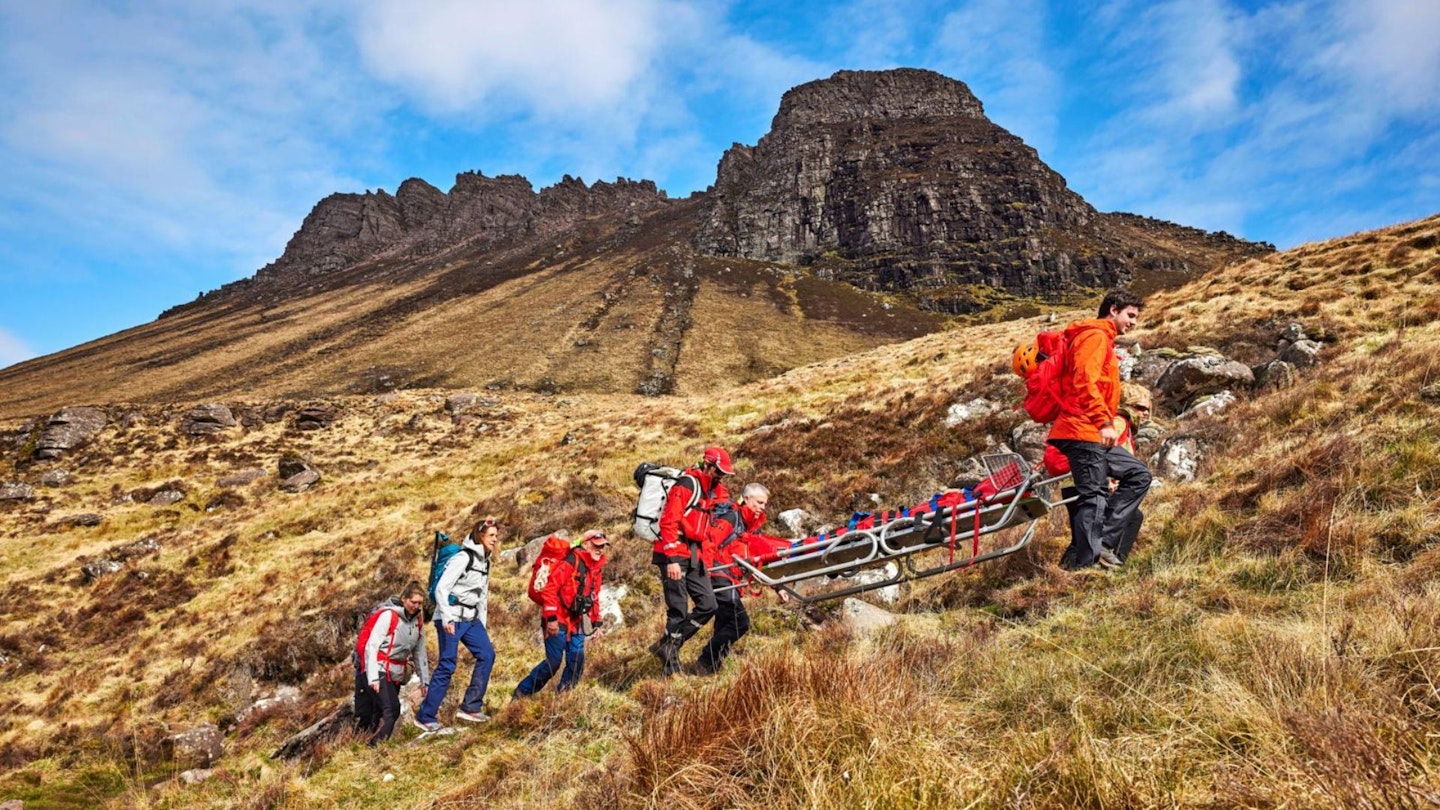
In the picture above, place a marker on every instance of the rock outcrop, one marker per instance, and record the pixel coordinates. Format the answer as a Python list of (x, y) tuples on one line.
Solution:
[(68, 429)]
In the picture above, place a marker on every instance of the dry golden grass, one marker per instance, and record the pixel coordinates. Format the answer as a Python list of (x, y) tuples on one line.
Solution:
[(1273, 643)]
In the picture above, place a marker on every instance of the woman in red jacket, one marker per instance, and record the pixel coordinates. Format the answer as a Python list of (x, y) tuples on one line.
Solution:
[(569, 612)]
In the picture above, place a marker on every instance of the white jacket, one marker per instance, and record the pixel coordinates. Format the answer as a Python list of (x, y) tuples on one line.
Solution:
[(467, 578)]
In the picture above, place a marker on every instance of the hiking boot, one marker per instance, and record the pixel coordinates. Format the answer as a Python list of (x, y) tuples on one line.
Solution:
[(1109, 560), (469, 717), (423, 726)]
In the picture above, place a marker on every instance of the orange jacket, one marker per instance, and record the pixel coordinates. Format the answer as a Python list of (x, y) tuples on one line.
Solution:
[(1089, 381)]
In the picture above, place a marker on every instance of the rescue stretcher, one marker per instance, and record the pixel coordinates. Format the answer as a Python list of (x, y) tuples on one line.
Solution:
[(999, 520)]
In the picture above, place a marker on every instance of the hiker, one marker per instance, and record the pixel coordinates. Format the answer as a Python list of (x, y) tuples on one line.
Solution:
[(1135, 404), (391, 646), (1085, 432), (461, 597), (569, 612), (733, 532), (685, 525)]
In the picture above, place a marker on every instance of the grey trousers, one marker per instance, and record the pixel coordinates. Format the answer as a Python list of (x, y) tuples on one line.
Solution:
[(1101, 517)]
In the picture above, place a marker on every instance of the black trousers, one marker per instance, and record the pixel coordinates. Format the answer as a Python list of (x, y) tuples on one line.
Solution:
[(1100, 517), (376, 712), (681, 621), (1127, 538), (731, 623)]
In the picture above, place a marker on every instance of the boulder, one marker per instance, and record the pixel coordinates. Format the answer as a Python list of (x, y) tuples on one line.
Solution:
[(16, 491), (526, 554), (301, 481), (610, 598), (55, 478), (195, 776), (1209, 405), (890, 594), (799, 522), (1292, 333), (316, 417), (68, 429), (1029, 440), (91, 571), (292, 464), (865, 619), (202, 745), (1192, 377), (85, 519), (284, 696), (962, 412), (1178, 458), (1149, 366), (1275, 374), (1431, 392), (207, 420), (1301, 353), (166, 497), (462, 403)]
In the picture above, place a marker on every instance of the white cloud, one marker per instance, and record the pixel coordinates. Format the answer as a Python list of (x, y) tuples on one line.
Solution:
[(1389, 51), (548, 55), (13, 350)]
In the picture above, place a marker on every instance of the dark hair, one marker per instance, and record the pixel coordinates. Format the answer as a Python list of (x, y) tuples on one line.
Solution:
[(1119, 299), (413, 589)]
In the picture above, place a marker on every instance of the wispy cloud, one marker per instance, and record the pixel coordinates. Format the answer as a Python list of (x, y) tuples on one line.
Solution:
[(13, 350)]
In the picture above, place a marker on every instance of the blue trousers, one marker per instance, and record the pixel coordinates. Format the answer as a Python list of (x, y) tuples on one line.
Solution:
[(1100, 517), (564, 644), (475, 638)]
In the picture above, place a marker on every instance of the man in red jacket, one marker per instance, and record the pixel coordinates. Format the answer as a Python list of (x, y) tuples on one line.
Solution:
[(734, 530), (685, 525), (1086, 434), (569, 612)]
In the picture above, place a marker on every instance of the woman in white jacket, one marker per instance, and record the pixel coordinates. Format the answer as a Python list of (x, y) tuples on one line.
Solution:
[(460, 615)]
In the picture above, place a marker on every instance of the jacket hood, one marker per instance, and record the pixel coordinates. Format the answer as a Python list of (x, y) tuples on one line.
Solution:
[(1078, 328)]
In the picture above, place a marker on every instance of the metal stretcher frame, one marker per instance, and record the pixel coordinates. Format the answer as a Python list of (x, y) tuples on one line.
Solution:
[(900, 540)]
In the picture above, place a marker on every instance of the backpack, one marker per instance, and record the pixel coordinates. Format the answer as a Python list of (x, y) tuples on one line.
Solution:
[(554, 549), (1042, 387), (369, 627), (440, 555), (583, 601), (654, 482), (729, 513)]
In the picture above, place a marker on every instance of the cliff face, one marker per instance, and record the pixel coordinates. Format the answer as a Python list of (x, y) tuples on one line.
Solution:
[(897, 181), (420, 220)]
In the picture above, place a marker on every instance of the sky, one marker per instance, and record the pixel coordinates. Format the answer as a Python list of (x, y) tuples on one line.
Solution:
[(154, 149)]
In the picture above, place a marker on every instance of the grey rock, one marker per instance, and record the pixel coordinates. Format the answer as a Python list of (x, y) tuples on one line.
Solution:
[(96, 569), (1302, 353), (962, 412), (301, 481), (798, 522), (316, 417), (1275, 374), (292, 464), (1431, 392), (166, 497), (1178, 458), (526, 554), (610, 598), (208, 419), (284, 696), (85, 519), (1192, 377), (460, 403), (1208, 405), (195, 776), (865, 619), (55, 478), (202, 745), (68, 429), (1293, 333), (1029, 440), (889, 594), (241, 478), (13, 804), (16, 491)]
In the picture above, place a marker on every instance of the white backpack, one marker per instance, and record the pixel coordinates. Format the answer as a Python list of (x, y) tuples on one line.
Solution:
[(654, 482)]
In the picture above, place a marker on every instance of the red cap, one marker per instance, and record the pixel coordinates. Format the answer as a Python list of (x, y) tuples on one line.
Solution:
[(720, 458)]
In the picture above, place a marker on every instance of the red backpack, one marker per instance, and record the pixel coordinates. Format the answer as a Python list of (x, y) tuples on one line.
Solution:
[(369, 627), (1042, 386), (554, 550)]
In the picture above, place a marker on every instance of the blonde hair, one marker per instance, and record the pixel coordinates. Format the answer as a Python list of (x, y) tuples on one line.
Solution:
[(1135, 394)]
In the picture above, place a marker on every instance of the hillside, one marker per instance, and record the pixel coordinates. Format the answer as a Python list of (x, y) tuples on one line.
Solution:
[(1272, 643), (882, 206)]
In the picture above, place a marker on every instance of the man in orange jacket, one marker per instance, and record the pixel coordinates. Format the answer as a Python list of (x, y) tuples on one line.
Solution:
[(1085, 432)]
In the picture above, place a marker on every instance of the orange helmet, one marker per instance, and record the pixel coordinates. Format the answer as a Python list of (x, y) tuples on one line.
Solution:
[(1025, 358)]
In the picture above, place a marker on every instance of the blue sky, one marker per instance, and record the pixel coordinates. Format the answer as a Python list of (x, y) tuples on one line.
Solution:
[(152, 150)]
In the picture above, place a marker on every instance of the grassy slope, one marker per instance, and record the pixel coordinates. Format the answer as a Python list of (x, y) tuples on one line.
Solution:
[(1272, 644)]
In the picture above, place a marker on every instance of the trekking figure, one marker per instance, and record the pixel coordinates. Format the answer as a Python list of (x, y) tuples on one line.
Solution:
[(1135, 404), (569, 612), (1086, 434), (461, 596), (685, 525), (390, 647), (730, 539)]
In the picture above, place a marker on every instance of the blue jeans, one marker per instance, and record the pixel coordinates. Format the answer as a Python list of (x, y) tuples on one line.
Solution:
[(1100, 517), (564, 644), (477, 641)]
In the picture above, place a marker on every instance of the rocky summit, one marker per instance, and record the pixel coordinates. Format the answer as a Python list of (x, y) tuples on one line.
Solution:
[(879, 207)]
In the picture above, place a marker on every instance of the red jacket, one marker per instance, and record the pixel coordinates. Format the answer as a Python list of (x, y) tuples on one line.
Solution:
[(1089, 382), (686, 518), (717, 551), (564, 585)]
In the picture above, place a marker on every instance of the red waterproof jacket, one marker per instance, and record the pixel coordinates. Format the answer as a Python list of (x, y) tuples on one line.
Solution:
[(686, 518), (718, 551), (1089, 381), (565, 583)]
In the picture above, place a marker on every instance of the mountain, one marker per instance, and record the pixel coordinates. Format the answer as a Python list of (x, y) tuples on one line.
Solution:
[(880, 206)]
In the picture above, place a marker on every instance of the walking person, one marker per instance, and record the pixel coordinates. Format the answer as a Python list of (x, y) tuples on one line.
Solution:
[(731, 539), (461, 603), (569, 613), (391, 647), (685, 526), (1085, 432)]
